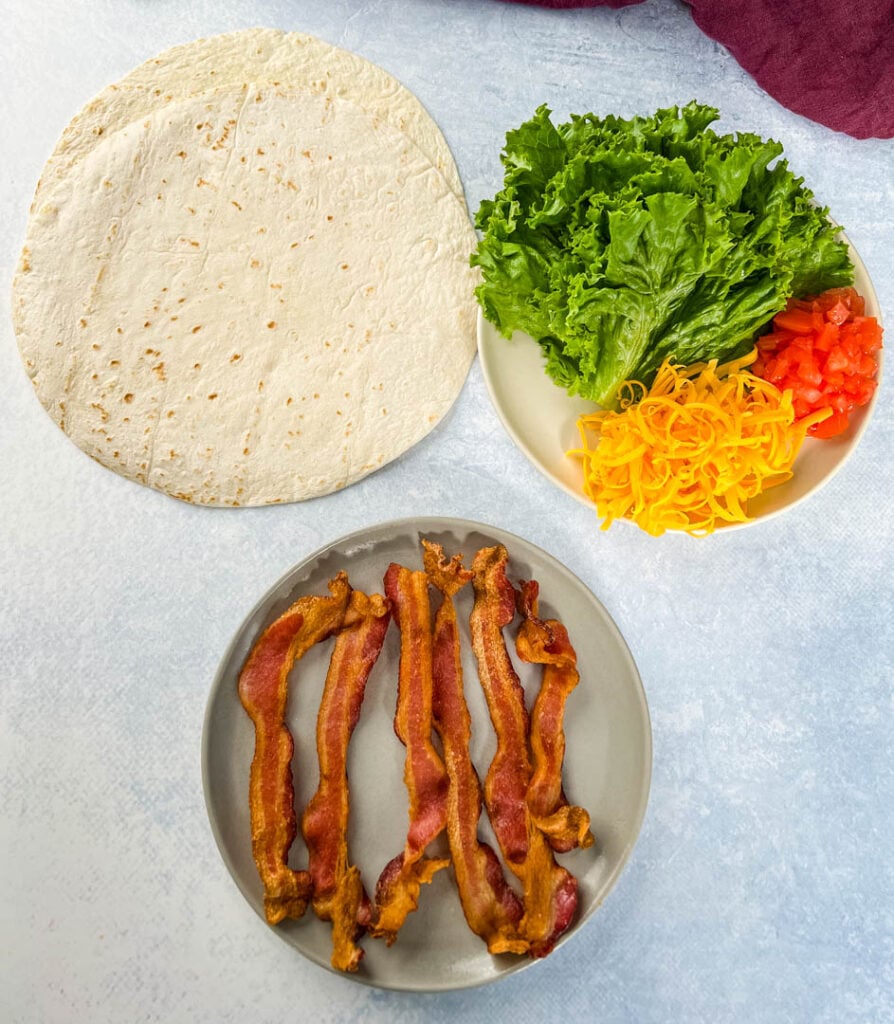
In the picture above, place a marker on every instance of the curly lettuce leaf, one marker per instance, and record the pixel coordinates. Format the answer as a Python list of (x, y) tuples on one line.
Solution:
[(616, 243)]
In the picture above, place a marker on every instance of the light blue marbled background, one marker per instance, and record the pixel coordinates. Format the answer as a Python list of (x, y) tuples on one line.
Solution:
[(761, 888)]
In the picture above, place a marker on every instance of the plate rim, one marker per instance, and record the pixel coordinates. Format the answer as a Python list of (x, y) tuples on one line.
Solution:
[(431, 523)]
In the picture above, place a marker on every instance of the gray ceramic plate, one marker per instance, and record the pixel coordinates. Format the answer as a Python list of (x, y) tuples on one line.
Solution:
[(607, 767)]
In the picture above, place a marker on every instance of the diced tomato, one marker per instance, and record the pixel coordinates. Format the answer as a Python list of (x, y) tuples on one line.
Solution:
[(822, 350), (800, 321), (836, 424), (826, 337), (837, 359), (848, 297), (838, 313)]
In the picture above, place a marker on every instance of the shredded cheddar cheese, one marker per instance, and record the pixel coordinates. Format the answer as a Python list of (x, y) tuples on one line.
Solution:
[(690, 451)]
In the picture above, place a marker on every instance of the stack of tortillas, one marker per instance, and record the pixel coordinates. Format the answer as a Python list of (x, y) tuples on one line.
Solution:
[(246, 274)]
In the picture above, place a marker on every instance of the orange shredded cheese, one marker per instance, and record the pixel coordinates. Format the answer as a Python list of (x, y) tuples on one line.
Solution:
[(690, 451)]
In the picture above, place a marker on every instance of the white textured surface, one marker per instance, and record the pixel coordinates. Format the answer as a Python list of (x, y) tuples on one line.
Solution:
[(760, 888)]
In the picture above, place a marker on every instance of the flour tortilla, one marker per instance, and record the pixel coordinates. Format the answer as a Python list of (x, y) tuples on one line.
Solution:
[(261, 57), (253, 295)]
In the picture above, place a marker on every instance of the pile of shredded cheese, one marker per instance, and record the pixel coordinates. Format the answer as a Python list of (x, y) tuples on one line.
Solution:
[(689, 452)]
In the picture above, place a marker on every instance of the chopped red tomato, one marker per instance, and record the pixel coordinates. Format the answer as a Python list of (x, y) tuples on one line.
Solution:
[(823, 349)]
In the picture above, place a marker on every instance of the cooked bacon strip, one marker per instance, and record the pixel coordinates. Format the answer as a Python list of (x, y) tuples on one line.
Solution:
[(550, 892), (263, 690), (491, 908), (546, 642), (397, 891), (338, 893)]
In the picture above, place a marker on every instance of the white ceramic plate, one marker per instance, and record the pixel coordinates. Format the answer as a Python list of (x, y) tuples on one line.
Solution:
[(542, 419), (607, 767)]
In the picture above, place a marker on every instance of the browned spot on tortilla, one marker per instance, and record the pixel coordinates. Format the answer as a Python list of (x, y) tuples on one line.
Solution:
[(212, 396), (234, 358), (82, 322), (182, 154), (234, 203), (222, 138), (128, 397), (271, 324), (196, 329)]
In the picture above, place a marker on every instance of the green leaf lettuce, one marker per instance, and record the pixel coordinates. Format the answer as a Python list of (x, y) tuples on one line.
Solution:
[(616, 243)]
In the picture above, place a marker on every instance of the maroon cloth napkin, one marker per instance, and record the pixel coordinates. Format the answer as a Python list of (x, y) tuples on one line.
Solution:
[(829, 60)]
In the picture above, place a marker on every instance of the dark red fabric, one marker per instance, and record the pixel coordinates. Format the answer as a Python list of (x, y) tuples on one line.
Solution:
[(829, 60)]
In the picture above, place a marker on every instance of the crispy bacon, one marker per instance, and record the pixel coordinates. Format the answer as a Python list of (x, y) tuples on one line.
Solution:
[(550, 892), (491, 908), (546, 642), (338, 893), (397, 891), (263, 689)]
